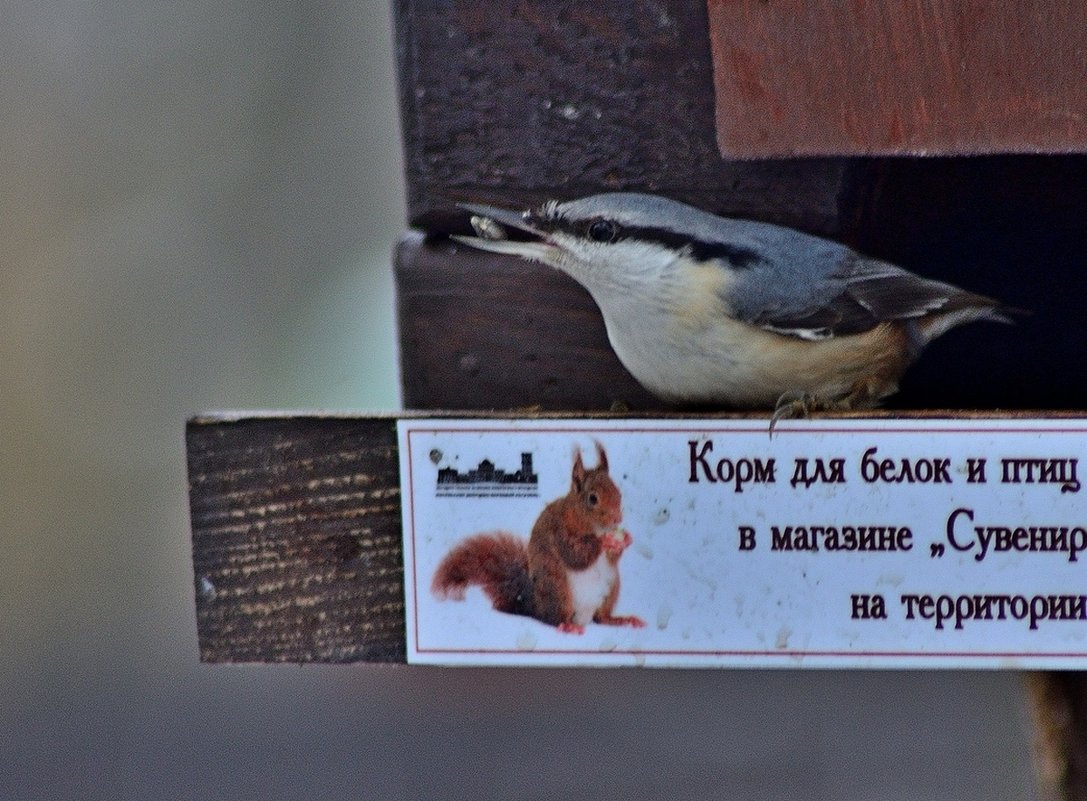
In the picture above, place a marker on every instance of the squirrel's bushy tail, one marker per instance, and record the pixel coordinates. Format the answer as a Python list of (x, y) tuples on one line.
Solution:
[(497, 562)]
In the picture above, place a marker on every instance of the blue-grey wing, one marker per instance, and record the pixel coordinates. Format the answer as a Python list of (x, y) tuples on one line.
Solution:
[(822, 289)]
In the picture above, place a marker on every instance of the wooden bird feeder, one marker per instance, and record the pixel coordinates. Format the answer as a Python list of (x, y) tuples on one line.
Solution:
[(943, 136)]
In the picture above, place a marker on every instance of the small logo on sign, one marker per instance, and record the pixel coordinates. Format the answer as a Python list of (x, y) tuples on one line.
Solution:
[(488, 481)]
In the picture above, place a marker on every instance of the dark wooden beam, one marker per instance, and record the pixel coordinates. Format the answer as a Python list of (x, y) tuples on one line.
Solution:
[(297, 534), (297, 551), (298, 557), (481, 331), (516, 101)]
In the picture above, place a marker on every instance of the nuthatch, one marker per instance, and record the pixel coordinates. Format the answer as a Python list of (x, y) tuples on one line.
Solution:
[(710, 310)]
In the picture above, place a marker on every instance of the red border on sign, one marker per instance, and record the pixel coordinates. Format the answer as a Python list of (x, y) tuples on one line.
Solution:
[(784, 655)]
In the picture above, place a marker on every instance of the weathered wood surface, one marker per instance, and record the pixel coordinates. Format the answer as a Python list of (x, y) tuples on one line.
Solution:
[(297, 535), (482, 331), (297, 552), (816, 77), (298, 557), (525, 100), (522, 100)]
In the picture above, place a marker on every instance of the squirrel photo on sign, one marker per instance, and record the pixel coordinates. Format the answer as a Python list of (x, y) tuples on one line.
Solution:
[(567, 575)]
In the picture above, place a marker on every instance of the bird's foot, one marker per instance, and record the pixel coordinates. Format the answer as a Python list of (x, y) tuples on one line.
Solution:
[(795, 405), (798, 404), (866, 393)]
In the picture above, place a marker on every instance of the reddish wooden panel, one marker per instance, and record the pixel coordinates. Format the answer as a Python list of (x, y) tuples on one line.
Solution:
[(519, 101), (818, 77)]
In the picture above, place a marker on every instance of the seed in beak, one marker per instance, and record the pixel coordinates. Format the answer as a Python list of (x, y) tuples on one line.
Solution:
[(486, 228)]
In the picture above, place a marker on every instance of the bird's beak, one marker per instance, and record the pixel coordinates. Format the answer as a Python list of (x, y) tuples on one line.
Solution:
[(507, 217), (538, 248)]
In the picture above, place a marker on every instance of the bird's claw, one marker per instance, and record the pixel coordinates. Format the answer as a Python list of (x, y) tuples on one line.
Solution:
[(794, 405)]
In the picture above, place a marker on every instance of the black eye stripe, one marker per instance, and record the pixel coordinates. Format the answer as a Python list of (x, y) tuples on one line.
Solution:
[(736, 255)]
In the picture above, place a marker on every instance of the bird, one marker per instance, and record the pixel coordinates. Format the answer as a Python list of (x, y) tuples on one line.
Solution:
[(709, 310)]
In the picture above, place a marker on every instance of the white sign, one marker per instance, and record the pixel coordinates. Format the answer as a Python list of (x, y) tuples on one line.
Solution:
[(845, 543)]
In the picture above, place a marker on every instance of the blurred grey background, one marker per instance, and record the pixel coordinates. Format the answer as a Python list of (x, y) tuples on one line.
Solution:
[(199, 203)]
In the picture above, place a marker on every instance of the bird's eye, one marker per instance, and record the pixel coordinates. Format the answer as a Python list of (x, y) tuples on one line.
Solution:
[(593, 500), (602, 231)]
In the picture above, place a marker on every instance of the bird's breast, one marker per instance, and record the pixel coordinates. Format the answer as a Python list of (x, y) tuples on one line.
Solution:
[(702, 355)]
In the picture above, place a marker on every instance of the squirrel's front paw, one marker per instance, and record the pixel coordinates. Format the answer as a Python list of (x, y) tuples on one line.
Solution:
[(615, 542), (571, 628)]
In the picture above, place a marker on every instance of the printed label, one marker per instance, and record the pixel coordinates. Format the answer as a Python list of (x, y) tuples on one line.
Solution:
[(845, 543)]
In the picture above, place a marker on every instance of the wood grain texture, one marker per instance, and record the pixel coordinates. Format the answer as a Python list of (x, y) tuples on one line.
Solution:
[(517, 101), (482, 331), (297, 553), (297, 557), (894, 77), (297, 534)]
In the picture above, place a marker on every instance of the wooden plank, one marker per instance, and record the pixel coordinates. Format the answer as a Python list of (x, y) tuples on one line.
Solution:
[(296, 533), (481, 331), (525, 100), (895, 77), (297, 553), (297, 557)]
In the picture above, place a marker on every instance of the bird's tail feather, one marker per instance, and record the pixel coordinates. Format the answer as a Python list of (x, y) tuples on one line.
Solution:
[(967, 308)]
